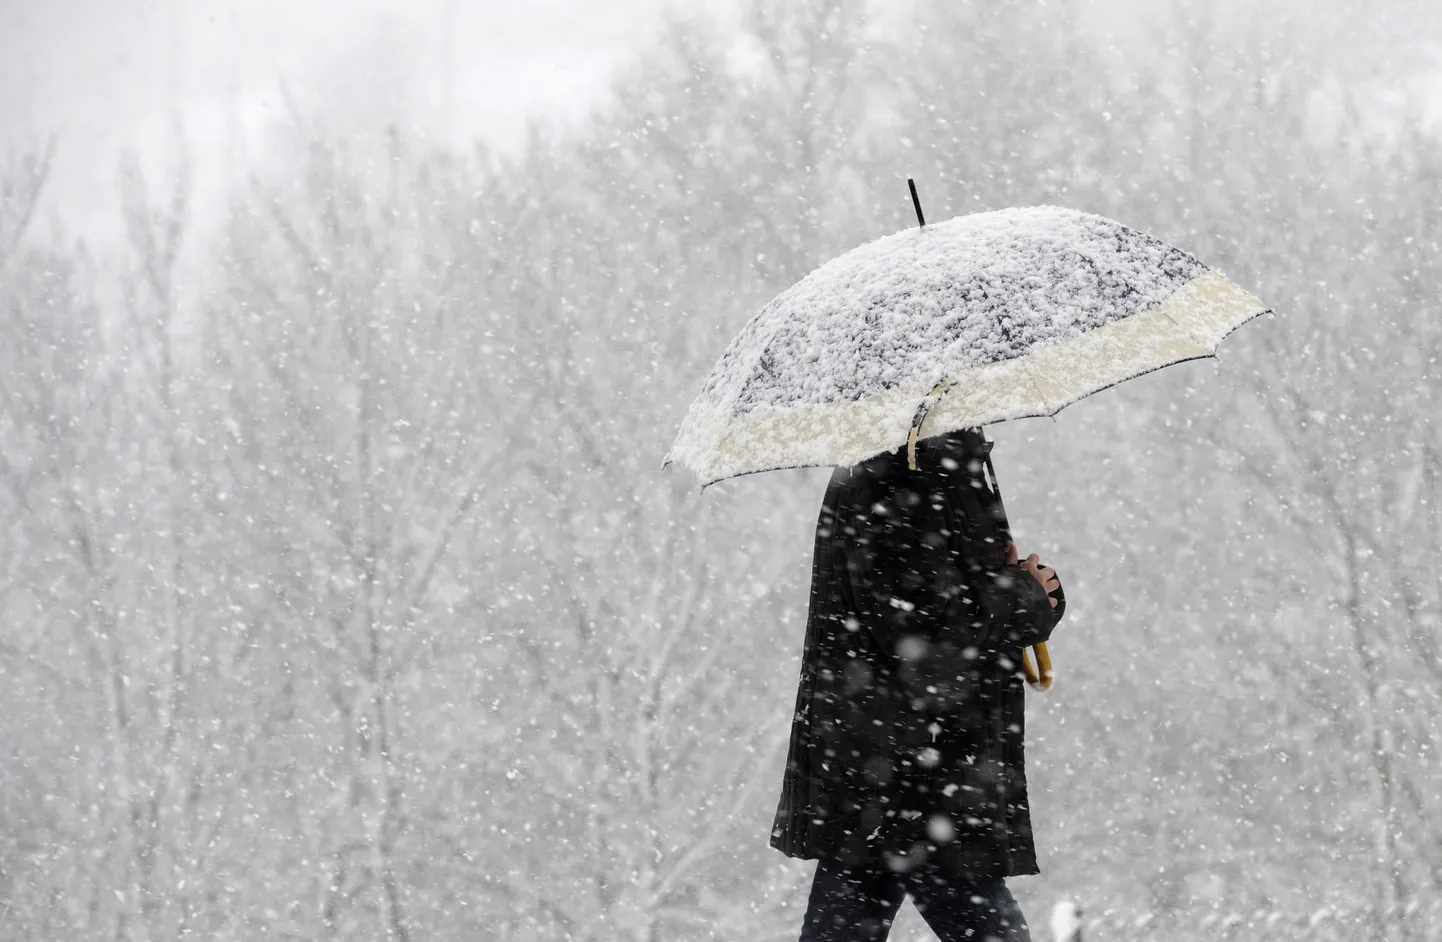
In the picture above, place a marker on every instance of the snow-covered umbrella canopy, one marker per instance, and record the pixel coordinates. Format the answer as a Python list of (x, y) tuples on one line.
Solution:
[(983, 318)]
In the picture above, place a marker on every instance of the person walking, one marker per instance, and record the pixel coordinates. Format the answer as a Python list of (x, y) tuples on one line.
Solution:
[(906, 769), (906, 772)]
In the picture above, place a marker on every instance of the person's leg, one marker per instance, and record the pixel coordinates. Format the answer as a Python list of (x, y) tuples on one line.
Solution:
[(964, 911), (851, 904)]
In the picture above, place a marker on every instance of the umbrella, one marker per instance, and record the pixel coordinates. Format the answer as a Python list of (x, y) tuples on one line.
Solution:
[(976, 320)]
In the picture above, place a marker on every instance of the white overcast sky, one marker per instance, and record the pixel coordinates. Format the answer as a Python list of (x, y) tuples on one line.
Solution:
[(113, 74)]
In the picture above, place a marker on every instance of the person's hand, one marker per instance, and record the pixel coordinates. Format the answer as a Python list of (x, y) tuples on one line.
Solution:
[(1043, 574)]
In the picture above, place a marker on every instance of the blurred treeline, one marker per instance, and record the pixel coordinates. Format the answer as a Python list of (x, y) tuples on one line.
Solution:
[(342, 596)]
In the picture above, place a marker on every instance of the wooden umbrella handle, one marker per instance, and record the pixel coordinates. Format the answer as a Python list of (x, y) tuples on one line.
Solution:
[(1042, 680)]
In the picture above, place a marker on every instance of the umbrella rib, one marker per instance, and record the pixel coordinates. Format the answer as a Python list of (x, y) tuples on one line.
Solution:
[(1040, 396), (1086, 257), (1185, 330)]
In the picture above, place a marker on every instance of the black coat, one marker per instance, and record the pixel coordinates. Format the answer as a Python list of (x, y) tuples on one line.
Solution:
[(907, 742)]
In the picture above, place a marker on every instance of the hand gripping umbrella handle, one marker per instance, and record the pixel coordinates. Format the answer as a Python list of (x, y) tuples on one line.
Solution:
[(1038, 681)]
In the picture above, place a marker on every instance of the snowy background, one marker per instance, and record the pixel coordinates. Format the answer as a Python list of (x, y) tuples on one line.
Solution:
[(341, 595)]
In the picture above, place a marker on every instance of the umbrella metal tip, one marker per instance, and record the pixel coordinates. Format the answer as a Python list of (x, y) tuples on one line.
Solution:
[(916, 202)]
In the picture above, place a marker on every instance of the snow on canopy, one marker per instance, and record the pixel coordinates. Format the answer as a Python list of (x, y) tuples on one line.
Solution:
[(980, 319), (934, 300)]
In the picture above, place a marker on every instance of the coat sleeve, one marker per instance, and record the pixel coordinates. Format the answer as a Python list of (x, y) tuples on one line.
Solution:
[(1015, 599), (910, 591), (919, 603)]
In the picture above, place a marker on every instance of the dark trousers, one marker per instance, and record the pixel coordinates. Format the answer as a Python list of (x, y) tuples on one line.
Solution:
[(858, 904)]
